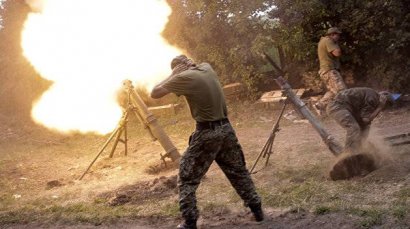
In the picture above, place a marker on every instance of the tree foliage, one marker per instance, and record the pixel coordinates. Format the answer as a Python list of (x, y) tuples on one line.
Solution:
[(231, 35), (226, 33), (375, 38)]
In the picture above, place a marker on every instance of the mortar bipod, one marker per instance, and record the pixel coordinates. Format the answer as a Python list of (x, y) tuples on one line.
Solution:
[(118, 131), (267, 148)]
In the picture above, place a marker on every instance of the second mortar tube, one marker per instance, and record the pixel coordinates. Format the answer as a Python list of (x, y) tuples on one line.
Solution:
[(333, 146)]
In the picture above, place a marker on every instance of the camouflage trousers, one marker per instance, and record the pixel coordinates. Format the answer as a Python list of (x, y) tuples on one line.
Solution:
[(356, 130), (219, 144), (334, 83)]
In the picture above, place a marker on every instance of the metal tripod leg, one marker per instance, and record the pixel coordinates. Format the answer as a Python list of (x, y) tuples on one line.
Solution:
[(116, 131), (267, 148), (126, 139), (123, 129)]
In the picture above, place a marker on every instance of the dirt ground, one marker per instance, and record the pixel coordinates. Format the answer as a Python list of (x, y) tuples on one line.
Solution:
[(39, 171)]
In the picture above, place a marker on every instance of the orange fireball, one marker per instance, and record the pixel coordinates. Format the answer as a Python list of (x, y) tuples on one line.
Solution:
[(87, 48)]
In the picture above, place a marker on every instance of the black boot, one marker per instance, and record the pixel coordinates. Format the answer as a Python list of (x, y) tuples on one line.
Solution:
[(188, 224), (257, 211)]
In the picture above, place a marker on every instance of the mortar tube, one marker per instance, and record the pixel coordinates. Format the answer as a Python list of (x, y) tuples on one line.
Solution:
[(332, 144), (153, 125)]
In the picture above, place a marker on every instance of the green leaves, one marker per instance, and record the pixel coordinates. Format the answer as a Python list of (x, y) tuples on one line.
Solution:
[(375, 39), (231, 35)]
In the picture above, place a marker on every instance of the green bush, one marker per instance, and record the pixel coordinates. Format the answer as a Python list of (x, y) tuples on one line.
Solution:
[(231, 35)]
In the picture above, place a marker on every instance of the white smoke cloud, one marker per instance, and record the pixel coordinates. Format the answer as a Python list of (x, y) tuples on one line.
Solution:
[(87, 48), (36, 5)]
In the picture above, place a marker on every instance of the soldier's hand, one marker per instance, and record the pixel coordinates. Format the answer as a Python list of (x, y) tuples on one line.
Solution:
[(383, 100), (179, 68)]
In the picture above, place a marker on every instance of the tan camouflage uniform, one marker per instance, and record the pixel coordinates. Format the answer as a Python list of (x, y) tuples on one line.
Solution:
[(329, 68), (334, 83), (349, 108)]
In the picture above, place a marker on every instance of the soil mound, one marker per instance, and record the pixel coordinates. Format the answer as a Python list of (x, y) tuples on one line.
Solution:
[(140, 192), (353, 165)]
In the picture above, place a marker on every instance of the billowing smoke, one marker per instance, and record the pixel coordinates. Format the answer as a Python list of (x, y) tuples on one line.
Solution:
[(36, 5), (87, 47)]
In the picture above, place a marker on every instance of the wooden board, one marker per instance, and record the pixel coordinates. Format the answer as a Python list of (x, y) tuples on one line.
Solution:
[(277, 96), (168, 106), (234, 89), (165, 109)]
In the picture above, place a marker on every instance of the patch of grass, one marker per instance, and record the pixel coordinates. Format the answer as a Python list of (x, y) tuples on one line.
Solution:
[(212, 207), (305, 194), (372, 220), (357, 211), (233, 197), (297, 174), (213, 191), (370, 217), (79, 212), (403, 194), (322, 210), (23, 215), (399, 212), (297, 209), (5, 200), (400, 207), (99, 200), (171, 209), (348, 186)]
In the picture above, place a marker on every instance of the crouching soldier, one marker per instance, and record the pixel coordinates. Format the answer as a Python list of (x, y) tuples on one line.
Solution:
[(213, 140), (354, 109)]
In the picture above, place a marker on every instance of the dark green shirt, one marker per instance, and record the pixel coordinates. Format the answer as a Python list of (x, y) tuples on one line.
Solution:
[(360, 101), (202, 90), (326, 58)]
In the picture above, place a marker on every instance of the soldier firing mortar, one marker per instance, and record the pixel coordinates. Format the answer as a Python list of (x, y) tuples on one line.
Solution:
[(357, 105), (213, 140), (354, 109)]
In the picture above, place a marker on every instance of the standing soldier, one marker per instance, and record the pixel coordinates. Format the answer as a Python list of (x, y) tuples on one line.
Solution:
[(329, 53), (213, 139), (354, 109)]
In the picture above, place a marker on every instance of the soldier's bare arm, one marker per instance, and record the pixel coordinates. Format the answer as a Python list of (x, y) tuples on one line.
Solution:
[(159, 92)]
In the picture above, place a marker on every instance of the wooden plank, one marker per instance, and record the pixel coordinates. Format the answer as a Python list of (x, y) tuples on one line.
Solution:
[(233, 89), (276, 96), (168, 106)]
